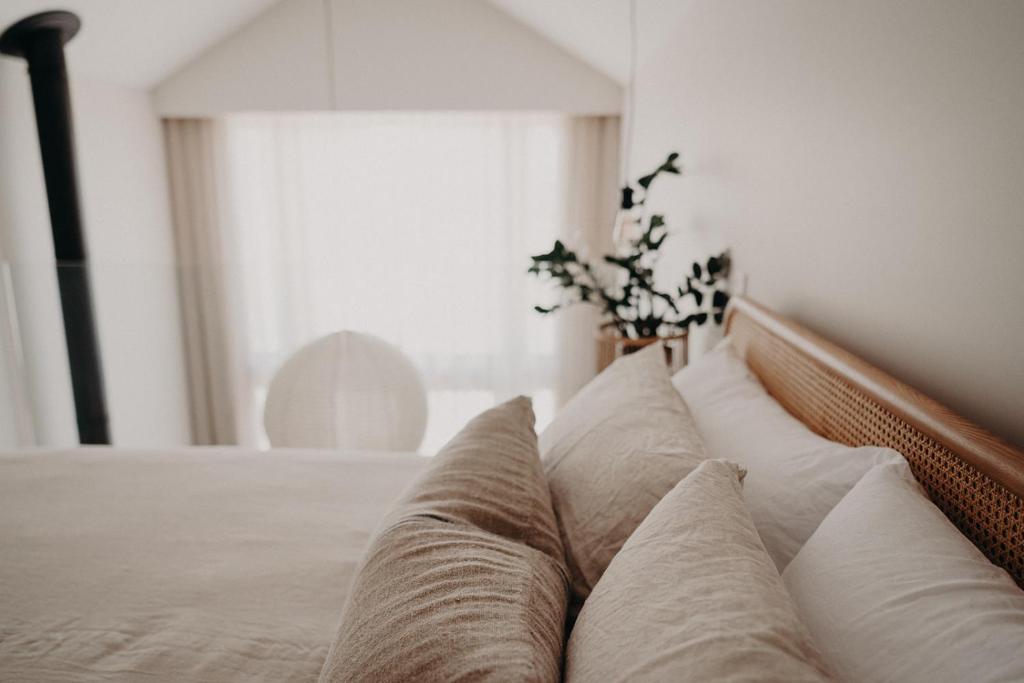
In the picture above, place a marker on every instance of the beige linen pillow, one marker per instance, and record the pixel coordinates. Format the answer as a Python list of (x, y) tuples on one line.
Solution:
[(610, 455), (465, 581), (490, 476), (693, 596)]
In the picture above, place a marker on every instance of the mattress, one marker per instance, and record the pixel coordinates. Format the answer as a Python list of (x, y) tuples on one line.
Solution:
[(198, 564)]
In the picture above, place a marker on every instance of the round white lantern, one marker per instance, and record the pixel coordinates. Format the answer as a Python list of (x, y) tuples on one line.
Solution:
[(346, 390)]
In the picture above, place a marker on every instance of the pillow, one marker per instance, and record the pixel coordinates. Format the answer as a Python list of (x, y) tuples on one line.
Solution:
[(892, 591), (693, 596), (466, 579), (794, 476), (610, 454)]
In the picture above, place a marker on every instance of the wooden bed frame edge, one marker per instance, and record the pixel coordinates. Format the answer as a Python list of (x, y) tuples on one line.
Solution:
[(976, 478)]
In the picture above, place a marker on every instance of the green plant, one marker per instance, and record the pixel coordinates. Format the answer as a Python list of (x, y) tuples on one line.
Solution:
[(624, 288)]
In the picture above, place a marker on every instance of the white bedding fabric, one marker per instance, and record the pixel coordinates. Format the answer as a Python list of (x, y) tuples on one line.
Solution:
[(892, 591), (794, 477), (190, 565)]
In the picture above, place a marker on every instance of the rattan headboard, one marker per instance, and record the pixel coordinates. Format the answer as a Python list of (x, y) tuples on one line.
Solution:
[(975, 478)]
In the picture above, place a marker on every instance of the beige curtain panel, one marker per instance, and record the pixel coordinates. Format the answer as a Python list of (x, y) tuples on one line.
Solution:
[(592, 195), (195, 170)]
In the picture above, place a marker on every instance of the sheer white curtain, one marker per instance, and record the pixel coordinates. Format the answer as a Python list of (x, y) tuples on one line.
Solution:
[(415, 227)]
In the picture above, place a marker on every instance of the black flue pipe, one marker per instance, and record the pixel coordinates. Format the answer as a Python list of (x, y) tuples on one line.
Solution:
[(40, 39)]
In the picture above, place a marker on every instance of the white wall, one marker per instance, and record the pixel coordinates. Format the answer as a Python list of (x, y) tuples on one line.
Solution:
[(276, 62), (456, 54), (865, 163), (387, 55), (127, 219), (125, 196)]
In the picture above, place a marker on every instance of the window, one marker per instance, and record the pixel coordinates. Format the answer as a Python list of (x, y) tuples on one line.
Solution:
[(414, 227)]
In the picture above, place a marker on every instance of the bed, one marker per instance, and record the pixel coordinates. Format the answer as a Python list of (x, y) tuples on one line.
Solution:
[(212, 564), (155, 566)]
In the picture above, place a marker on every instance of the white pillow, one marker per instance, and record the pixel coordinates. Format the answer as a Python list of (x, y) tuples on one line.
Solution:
[(891, 591), (794, 476)]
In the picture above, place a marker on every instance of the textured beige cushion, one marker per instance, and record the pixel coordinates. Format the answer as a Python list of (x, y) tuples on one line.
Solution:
[(490, 476), (693, 596), (610, 455), (466, 579)]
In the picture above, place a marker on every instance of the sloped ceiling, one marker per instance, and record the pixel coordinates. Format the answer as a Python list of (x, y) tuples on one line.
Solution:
[(596, 31), (464, 55), (139, 42)]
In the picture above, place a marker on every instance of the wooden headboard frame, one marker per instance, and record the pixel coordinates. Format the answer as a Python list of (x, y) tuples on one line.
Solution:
[(975, 478)]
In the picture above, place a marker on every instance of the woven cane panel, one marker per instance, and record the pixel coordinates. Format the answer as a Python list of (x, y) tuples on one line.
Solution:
[(986, 512)]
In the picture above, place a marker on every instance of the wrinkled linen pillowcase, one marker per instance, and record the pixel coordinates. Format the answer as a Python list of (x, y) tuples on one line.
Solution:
[(466, 578), (795, 477), (693, 596), (892, 591), (610, 454)]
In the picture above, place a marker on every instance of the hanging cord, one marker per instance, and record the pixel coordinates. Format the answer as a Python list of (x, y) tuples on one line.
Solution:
[(627, 147), (332, 87)]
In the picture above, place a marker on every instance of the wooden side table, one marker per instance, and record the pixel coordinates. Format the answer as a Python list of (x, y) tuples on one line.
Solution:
[(612, 346)]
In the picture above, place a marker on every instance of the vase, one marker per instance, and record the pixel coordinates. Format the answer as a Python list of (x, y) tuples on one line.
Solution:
[(611, 346)]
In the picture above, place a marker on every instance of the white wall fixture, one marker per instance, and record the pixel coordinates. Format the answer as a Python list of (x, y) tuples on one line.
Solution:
[(347, 390)]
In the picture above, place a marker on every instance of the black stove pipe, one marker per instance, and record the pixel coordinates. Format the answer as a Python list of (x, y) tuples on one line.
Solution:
[(40, 39)]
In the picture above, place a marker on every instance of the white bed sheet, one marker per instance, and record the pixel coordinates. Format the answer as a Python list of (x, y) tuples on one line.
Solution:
[(209, 564)]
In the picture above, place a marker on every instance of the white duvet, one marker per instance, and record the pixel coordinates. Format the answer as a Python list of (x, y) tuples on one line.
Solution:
[(192, 565)]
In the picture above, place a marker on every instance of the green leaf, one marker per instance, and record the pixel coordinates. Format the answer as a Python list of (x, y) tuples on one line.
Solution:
[(669, 166)]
